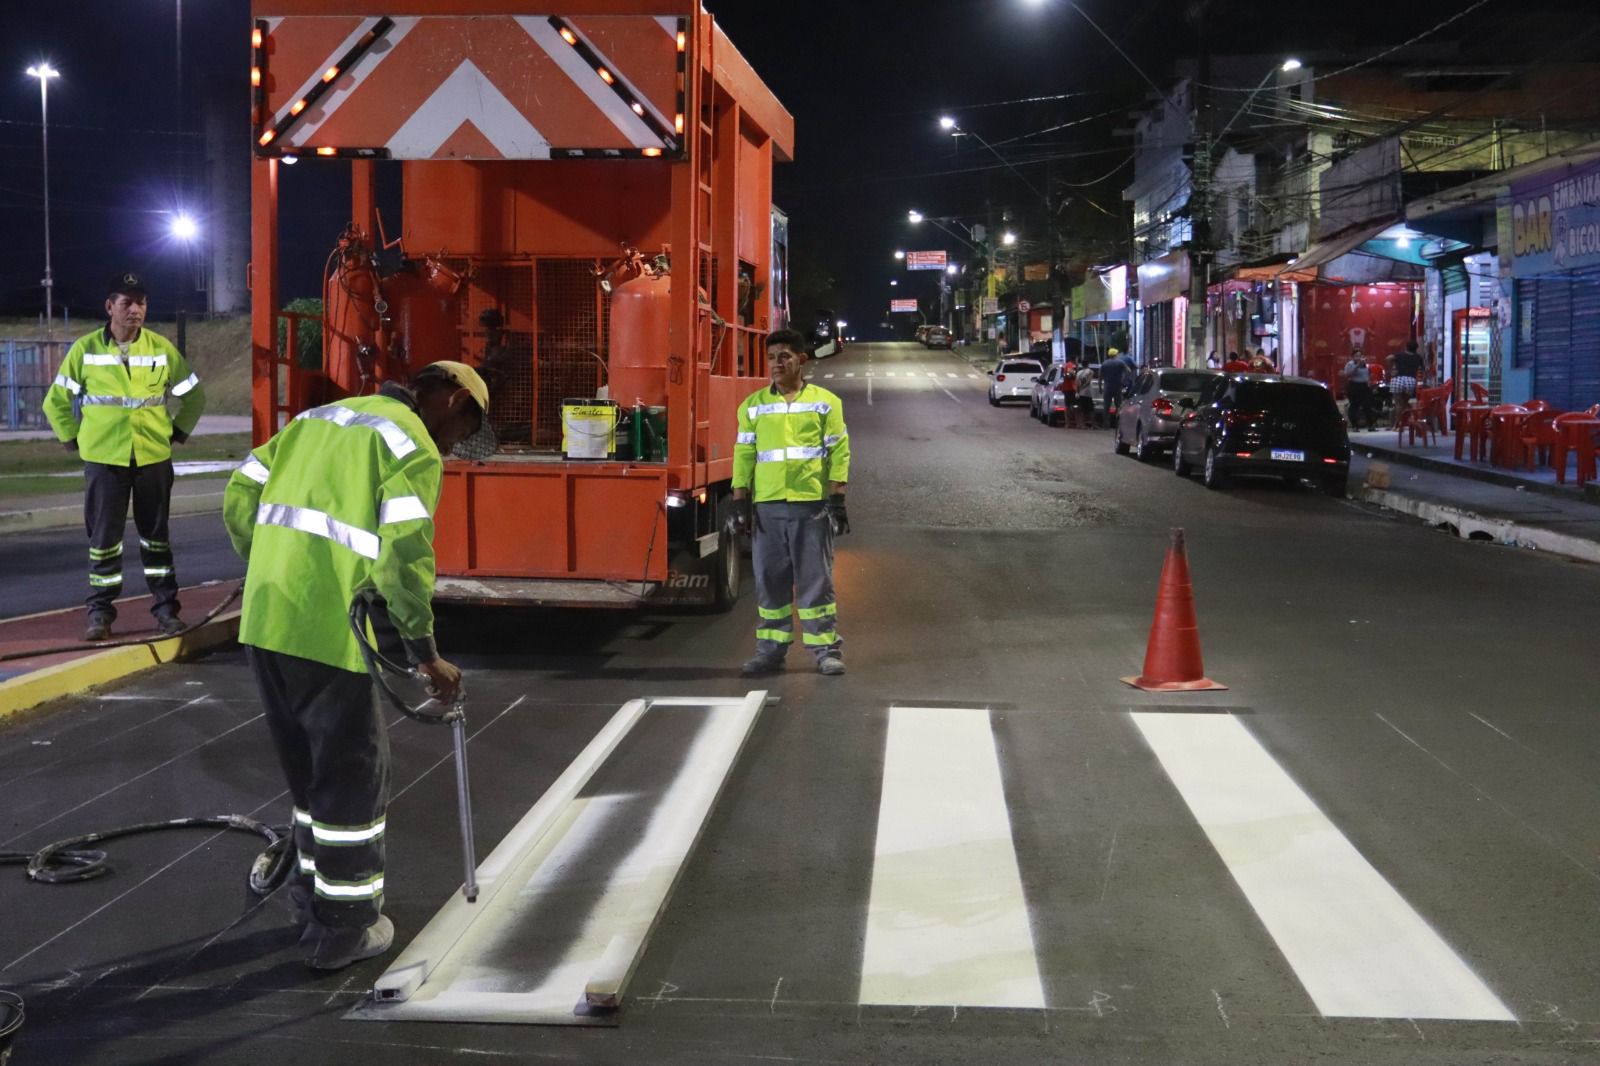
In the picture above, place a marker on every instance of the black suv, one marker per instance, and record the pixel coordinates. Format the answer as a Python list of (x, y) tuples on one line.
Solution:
[(1267, 426)]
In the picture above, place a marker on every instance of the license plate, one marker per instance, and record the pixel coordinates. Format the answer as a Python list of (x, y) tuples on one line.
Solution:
[(1288, 455)]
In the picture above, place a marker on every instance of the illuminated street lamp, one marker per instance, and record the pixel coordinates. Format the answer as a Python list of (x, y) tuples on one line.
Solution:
[(44, 72), (952, 269), (1008, 238), (946, 122), (893, 283), (184, 227), (899, 254), (914, 215)]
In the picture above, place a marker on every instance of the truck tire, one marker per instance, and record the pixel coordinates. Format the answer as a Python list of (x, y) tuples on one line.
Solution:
[(726, 571)]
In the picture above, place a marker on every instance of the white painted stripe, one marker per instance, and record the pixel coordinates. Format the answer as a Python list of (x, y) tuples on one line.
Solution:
[(949, 375), (891, 373), (333, 57), (850, 375), (588, 82), (827, 375), (947, 923), (972, 375), (346, 84), (670, 24), (1356, 945), (468, 95), (931, 374)]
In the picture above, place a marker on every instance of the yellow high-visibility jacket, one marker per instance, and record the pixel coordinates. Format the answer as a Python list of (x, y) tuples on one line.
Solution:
[(791, 451), (123, 402)]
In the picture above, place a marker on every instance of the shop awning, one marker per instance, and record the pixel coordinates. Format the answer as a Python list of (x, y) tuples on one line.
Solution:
[(1324, 252)]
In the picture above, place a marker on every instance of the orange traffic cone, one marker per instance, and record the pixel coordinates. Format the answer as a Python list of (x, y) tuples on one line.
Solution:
[(1172, 659)]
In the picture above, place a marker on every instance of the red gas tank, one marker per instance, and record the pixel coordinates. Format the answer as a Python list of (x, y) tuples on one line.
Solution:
[(640, 335), (425, 316)]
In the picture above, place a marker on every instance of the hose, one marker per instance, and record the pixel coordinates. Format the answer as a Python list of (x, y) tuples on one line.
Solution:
[(129, 642), (377, 663), (69, 861)]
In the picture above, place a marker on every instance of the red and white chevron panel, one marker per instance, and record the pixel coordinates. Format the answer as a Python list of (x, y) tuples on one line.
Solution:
[(485, 87)]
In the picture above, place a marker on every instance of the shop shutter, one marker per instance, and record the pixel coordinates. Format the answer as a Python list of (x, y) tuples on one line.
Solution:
[(1552, 340), (1584, 376)]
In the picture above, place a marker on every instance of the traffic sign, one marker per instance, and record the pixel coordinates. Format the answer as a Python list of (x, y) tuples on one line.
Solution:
[(925, 260), (902, 305)]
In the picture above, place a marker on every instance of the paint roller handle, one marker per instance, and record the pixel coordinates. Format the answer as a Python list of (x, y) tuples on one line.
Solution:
[(469, 884)]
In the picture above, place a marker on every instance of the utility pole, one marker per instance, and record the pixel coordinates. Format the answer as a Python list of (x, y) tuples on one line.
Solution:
[(44, 72), (1200, 250)]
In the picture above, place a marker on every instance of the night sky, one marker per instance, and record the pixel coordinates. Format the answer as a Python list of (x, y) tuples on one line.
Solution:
[(865, 81)]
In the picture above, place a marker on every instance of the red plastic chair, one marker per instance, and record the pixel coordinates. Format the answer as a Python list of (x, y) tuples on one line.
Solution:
[(1539, 405), (1583, 445), (1479, 393), (1539, 438), (1505, 434)]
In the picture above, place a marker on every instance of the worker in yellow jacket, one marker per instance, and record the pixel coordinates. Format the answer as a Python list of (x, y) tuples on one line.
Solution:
[(791, 466), (109, 404)]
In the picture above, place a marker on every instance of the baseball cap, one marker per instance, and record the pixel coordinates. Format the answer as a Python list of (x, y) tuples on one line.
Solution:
[(1112, 351), (127, 283)]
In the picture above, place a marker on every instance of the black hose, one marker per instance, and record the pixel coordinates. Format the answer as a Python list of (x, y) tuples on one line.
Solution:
[(59, 649), (377, 663), (67, 861)]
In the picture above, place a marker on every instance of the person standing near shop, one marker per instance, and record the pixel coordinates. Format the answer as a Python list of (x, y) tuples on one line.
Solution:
[(1358, 391), (339, 504), (109, 404), (791, 466), (1404, 369), (1115, 373)]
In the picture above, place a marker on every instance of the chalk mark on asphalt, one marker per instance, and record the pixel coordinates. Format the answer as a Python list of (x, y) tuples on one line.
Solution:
[(1507, 811), (1222, 1011), (1105, 882)]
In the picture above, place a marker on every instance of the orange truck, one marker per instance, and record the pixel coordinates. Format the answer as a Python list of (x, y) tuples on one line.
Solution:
[(585, 213)]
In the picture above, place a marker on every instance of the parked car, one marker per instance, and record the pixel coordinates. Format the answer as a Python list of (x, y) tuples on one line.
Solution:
[(1013, 380), (1047, 402), (1150, 415), (939, 337), (922, 334), (1263, 425)]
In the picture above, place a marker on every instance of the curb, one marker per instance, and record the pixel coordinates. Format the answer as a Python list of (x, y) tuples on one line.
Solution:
[(102, 668), (1470, 526), (72, 514), (1472, 473)]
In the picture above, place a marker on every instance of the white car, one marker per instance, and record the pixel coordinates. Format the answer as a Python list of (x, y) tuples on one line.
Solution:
[(1012, 379)]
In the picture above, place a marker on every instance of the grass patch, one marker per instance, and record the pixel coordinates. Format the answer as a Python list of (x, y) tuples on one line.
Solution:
[(12, 488), (26, 459), (218, 349)]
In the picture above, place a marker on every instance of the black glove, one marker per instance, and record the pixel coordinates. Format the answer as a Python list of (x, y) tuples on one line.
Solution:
[(178, 435), (744, 516), (70, 445), (838, 517)]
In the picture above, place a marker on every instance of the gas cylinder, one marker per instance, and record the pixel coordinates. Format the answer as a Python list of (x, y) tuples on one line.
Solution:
[(640, 324), (425, 315), (351, 316)]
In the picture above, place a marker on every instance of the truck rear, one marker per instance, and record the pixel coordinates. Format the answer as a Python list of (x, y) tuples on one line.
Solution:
[(580, 206)]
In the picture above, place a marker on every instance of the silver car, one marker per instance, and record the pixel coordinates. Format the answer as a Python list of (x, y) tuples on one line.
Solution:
[(1012, 379), (1149, 417)]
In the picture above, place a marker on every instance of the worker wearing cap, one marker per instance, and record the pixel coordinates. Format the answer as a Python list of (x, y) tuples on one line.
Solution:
[(791, 465), (1115, 374), (109, 404), (340, 504)]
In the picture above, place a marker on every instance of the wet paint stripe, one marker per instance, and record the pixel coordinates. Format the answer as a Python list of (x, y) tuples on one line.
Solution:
[(1359, 949), (947, 922)]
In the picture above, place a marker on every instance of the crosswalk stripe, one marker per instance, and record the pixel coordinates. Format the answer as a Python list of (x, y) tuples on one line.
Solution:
[(1359, 949), (931, 374), (827, 375), (847, 375), (891, 373), (950, 375), (972, 375), (947, 922)]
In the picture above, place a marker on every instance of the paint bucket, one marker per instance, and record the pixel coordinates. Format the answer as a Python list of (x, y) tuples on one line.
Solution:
[(588, 429), (11, 1018)]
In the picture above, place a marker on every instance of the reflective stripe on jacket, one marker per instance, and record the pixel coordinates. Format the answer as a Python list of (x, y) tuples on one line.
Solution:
[(791, 451), (121, 407), (341, 500)]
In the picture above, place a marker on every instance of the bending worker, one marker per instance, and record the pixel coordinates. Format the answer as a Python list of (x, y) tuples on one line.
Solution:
[(109, 404), (793, 454), (339, 504)]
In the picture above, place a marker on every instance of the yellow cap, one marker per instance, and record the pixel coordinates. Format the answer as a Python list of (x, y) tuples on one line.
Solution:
[(1112, 351), (467, 378)]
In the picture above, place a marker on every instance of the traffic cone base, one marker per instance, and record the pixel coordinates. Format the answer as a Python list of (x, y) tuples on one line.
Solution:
[(1205, 684), (1172, 658)]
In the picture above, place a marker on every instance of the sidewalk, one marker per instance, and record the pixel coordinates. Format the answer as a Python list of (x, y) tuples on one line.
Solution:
[(1475, 500), (208, 424), (189, 496), (30, 680)]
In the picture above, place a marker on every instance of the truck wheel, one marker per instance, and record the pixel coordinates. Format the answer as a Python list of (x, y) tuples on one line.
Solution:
[(726, 571)]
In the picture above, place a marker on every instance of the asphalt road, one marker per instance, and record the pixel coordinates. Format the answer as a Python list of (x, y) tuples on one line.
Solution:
[(1378, 845)]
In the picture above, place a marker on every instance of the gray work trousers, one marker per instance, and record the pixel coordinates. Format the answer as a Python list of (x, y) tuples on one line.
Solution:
[(793, 559)]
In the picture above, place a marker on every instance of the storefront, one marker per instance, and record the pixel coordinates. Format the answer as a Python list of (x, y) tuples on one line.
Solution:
[(1100, 306), (1164, 310), (1554, 220)]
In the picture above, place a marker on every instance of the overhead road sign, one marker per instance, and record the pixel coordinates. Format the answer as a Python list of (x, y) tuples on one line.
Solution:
[(902, 305), (925, 261)]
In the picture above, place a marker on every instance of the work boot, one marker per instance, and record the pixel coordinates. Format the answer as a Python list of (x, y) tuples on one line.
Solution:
[(98, 629), (830, 666), (171, 625), (334, 949), (300, 897), (762, 665)]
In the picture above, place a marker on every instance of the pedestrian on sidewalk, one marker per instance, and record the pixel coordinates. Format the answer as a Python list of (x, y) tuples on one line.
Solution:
[(1261, 363), (109, 404), (1358, 391), (1235, 365), (340, 504), (1086, 395), (791, 466), (1404, 369), (1115, 374)]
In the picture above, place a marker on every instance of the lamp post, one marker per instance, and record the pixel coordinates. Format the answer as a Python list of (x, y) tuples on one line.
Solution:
[(185, 230), (44, 72)]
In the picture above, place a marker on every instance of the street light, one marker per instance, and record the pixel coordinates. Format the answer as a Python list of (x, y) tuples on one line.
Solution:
[(952, 269), (44, 72), (1008, 238), (914, 215), (184, 227), (898, 254), (946, 122), (893, 283), (1291, 65)]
